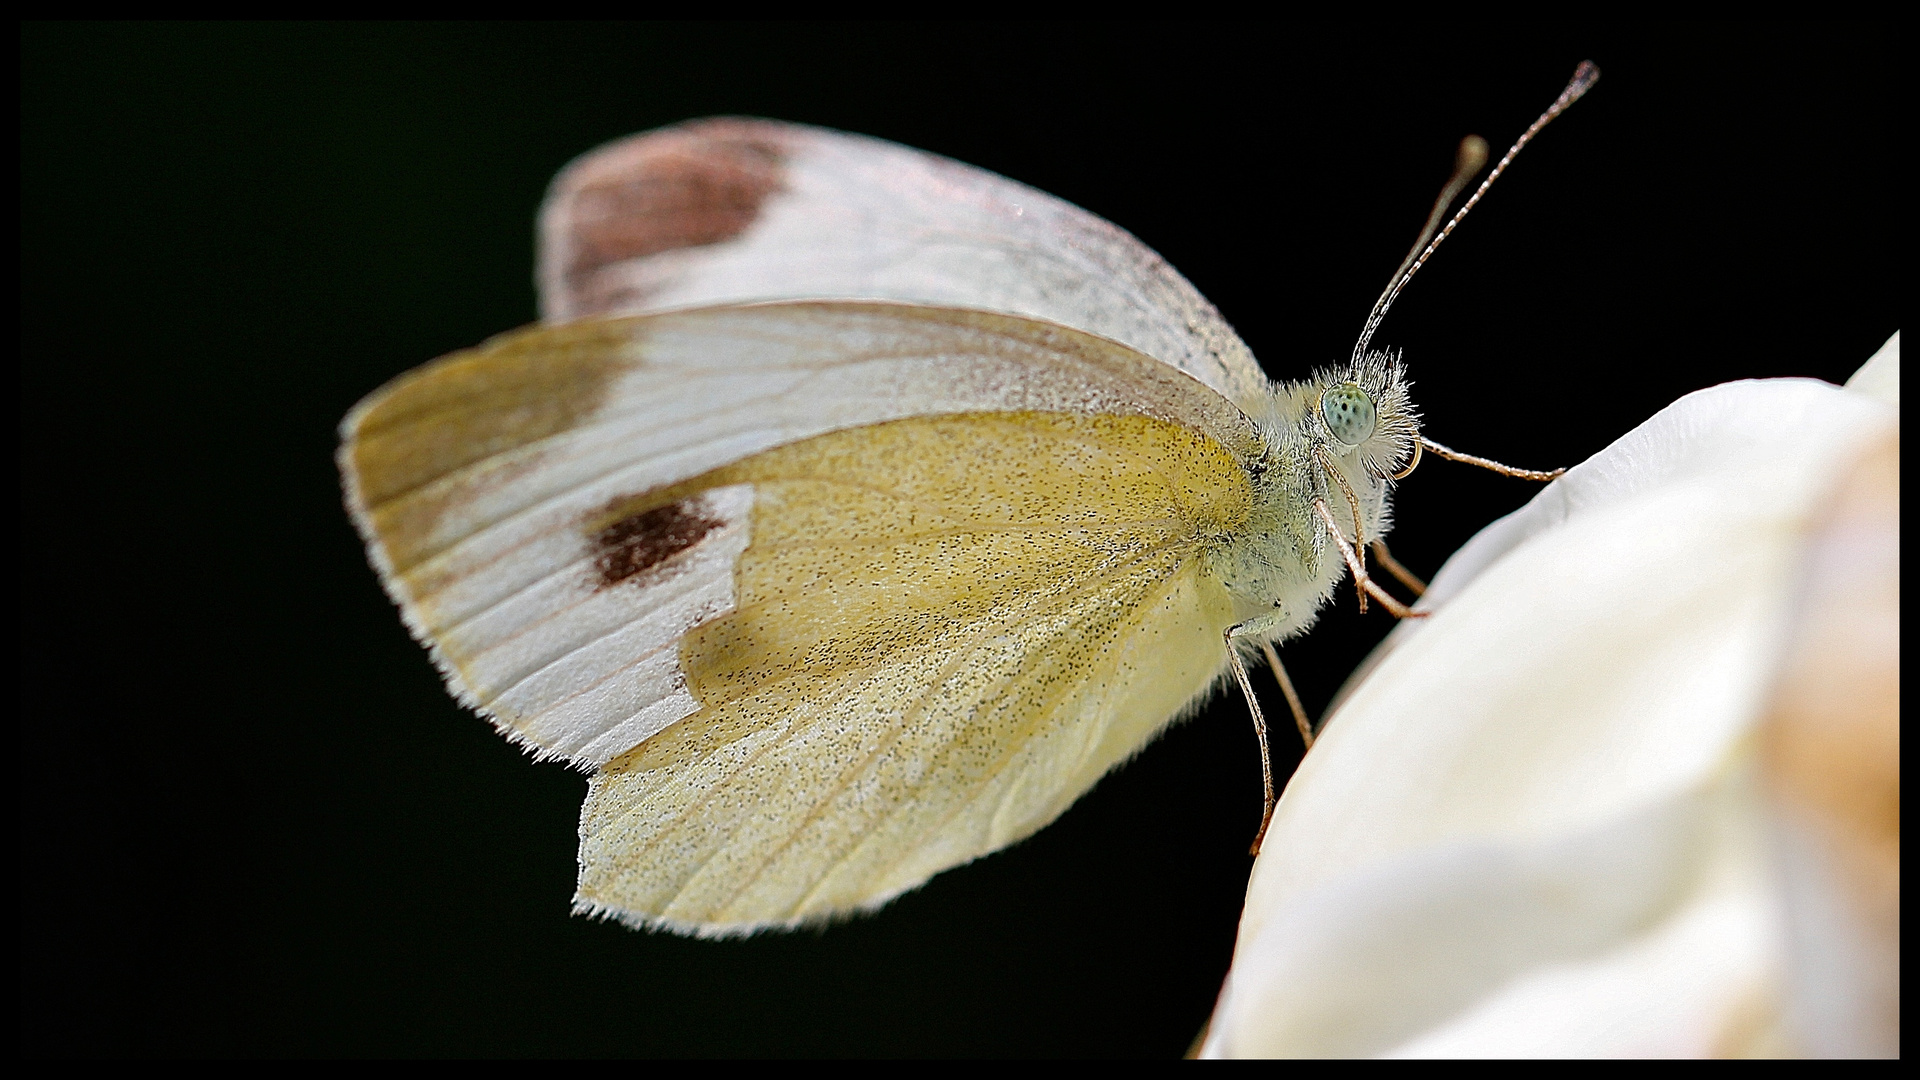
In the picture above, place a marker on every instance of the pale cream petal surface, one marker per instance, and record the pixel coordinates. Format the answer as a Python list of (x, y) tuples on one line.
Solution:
[(1831, 754), (1597, 656), (1879, 377), (726, 210)]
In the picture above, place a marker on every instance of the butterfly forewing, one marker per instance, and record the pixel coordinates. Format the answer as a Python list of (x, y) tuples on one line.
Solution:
[(946, 629), (549, 571)]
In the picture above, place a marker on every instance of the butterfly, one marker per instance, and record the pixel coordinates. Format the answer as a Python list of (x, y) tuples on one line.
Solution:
[(853, 510)]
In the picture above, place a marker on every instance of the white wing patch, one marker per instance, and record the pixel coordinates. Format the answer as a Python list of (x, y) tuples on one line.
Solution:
[(730, 210), (583, 664)]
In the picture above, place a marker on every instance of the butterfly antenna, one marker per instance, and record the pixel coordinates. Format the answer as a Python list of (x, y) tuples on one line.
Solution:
[(1466, 163)]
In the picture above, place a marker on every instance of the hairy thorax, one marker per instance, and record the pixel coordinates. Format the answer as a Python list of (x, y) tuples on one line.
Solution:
[(1283, 567)]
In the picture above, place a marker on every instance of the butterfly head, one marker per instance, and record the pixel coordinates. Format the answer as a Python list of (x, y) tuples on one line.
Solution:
[(1363, 414), (1340, 437)]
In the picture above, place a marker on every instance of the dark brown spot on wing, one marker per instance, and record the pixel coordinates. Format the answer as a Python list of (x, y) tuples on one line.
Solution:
[(640, 542), (683, 187)]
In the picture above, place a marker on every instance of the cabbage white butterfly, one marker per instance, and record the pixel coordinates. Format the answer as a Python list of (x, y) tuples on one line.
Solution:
[(917, 500)]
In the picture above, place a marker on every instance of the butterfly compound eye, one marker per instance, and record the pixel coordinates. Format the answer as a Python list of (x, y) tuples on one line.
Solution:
[(1349, 413)]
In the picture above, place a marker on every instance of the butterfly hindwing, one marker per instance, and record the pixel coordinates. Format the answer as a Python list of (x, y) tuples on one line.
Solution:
[(729, 210)]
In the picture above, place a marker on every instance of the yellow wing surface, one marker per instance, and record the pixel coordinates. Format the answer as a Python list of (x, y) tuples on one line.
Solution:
[(832, 596), (946, 629)]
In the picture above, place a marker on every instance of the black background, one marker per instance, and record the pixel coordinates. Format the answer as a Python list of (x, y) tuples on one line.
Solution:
[(251, 820)]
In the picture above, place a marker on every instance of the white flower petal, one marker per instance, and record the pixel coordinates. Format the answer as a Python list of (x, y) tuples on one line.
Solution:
[(1691, 985), (1378, 957), (1594, 658), (1879, 377), (1831, 753)]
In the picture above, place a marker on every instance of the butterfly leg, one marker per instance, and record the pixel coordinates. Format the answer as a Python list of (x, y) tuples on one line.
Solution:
[(1360, 578), (1353, 503), (1259, 726), (1407, 577), (1286, 687)]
